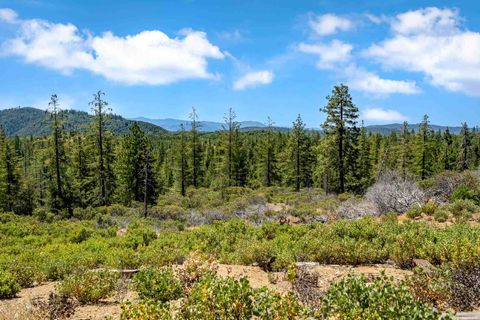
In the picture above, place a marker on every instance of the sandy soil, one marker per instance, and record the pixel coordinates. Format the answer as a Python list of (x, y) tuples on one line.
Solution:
[(19, 307)]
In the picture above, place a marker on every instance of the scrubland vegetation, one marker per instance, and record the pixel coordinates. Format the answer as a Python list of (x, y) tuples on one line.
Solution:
[(82, 208)]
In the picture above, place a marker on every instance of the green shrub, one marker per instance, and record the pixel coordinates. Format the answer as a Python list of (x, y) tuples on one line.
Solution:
[(441, 215), (217, 298), (8, 285), (414, 211), (463, 208), (90, 286), (355, 298), (146, 310), (159, 285), (463, 192), (429, 207)]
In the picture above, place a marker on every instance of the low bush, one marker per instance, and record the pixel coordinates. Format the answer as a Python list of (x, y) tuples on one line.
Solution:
[(463, 208), (159, 285), (463, 192), (8, 285), (429, 207), (146, 310), (441, 215), (216, 298), (355, 298), (89, 287), (414, 211)]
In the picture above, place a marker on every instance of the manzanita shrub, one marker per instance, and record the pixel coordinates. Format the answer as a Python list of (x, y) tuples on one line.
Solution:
[(355, 298), (90, 286), (8, 285), (158, 284)]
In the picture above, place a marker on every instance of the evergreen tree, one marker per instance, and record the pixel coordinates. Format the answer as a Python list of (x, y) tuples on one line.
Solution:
[(58, 184), (424, 158), (9, 180), (196, 150), (465, 138), (447, 150), (182, 160), (339, 126), (100, 109), (298, 157)]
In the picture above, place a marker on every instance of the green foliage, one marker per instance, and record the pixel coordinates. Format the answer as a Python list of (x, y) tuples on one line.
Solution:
[(463, 208), (441, 215), (429, 207), (355, 298), (414, 211), (90, 286), (216, 298), (159, 285), (463, 192), (8, 285), (146, 310)]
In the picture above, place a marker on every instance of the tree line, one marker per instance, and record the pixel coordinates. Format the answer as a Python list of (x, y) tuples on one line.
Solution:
[(69, 169)]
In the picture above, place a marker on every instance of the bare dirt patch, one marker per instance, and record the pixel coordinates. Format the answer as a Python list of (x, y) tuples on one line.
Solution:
[(21, 308)]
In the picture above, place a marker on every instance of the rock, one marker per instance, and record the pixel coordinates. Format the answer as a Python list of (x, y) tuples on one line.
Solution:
[(306, 264), (121, 232), (424, 265)]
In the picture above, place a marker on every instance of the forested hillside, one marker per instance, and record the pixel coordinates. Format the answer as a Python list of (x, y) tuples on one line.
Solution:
[(80, 162), (26, 121)]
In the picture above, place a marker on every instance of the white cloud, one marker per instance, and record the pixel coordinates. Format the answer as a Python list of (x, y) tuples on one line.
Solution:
[(337, 56), (432, 42), (149, 57), (328, 24), (8, 15), (329, 55), (383, 115), (253, 79), (370, 82)]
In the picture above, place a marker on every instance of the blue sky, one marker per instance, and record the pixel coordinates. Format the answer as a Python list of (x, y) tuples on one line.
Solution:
[(158, 59)]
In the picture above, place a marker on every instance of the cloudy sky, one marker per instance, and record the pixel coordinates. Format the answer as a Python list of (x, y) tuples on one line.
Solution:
[(157, 59)]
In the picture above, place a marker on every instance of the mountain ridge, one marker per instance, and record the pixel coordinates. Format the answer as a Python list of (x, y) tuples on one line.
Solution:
[(24, 121)]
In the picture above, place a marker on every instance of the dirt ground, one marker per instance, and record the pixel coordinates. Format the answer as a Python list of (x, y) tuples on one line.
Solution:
[(20, 308)]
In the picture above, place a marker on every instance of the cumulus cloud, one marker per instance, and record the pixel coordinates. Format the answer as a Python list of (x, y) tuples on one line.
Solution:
[(337, 56), (431, 41), (372, 83), (253, 79), (329, 55), (8, 15), (149, 57), (329, 24), (383, 115)]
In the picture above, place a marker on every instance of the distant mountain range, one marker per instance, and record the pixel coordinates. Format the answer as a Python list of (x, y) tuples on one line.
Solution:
[(25, 121), (204, 126), (211, 126)]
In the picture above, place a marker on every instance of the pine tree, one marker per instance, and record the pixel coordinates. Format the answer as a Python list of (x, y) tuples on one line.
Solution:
[(196, 150), (298, 157), (268, 156), (59, 186), (231, 128), (100, 109), (465, 138), (340, 125), (9, 180), (424, 146), (182, 159), (447, 150), (364, 163), (130, 166), (149, 182), (405, 150)]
